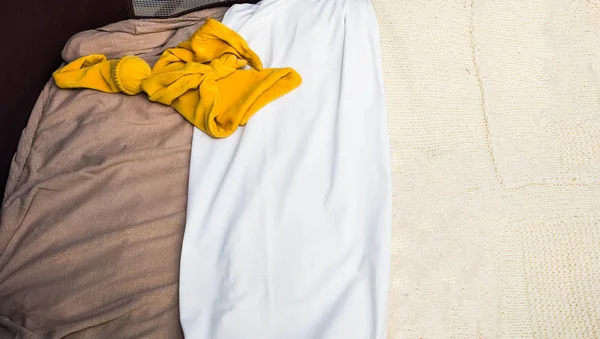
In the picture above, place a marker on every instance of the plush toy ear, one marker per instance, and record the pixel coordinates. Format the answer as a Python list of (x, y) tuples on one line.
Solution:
[(213, 40), (243, 93), (111, 76), (92, 71)]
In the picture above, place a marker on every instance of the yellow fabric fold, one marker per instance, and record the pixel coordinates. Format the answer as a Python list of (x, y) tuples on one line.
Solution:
[(205, 79)]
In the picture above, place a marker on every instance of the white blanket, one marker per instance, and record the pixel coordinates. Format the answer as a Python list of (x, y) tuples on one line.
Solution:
[(495, 134), (288, 224)]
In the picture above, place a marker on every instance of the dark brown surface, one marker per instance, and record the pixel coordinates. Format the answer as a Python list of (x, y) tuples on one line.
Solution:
[(34, 33)]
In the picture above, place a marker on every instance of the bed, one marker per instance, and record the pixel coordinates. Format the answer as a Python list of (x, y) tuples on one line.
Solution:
[(495, 222)]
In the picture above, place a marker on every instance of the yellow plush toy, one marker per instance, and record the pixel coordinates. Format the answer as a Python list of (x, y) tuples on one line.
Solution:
[(203, 78)]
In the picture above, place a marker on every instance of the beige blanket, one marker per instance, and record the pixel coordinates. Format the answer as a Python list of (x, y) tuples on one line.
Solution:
[(494, 117), (93, 215)]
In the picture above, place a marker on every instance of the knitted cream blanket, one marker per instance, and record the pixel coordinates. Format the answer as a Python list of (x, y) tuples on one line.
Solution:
[(494, 118)]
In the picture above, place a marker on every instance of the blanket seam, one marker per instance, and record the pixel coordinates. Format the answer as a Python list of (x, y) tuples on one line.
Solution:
[(488, 132), (33, 138)]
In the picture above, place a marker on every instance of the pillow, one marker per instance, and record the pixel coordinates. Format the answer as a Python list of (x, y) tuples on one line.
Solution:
[(171, 8)]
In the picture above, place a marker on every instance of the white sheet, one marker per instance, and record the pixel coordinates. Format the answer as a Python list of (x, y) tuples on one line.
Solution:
[(288, 225)]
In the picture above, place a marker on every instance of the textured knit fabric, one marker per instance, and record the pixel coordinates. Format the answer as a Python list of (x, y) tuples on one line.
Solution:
[(494, 119)]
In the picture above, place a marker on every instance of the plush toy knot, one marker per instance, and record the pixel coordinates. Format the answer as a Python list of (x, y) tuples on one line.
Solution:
[(129, 74)]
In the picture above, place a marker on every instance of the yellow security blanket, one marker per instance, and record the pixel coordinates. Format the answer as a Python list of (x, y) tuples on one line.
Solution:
[(203, 78)]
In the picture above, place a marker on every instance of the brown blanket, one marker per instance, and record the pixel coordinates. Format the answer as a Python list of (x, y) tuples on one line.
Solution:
[(94, 211)]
